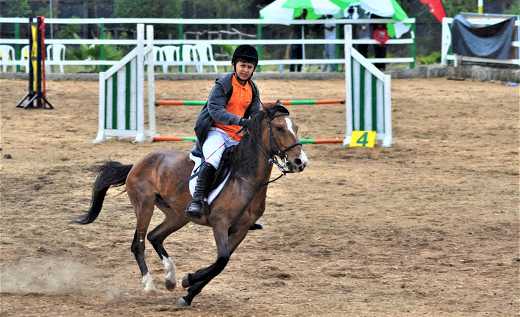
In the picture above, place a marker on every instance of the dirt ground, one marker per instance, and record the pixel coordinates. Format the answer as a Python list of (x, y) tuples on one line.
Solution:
[(428, 227)]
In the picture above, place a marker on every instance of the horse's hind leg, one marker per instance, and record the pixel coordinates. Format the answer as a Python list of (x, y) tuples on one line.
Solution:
[(144, 210), (156, 237)]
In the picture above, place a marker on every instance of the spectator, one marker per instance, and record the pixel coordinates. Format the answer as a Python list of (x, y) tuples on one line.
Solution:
[(297, 49), (363, 33), (380, 35), (330, 49)]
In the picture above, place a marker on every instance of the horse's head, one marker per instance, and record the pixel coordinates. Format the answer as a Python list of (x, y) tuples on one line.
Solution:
[(282, 138)]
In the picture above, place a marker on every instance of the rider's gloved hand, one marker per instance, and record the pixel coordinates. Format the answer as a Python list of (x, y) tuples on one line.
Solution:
[(244, 122)]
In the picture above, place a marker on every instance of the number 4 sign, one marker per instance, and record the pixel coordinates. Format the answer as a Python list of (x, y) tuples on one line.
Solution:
[(363, 138)]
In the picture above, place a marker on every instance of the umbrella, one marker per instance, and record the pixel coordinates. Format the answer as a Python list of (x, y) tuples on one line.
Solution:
[(291, 9), (378, 7), (383, 8)]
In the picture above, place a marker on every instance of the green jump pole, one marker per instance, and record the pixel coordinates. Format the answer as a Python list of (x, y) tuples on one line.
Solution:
[(179, 103), (308, 141), (166, 138), (283, 102), (320, 141)]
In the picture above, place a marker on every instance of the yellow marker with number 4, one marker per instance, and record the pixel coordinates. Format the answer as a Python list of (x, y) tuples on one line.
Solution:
[(363, 138)]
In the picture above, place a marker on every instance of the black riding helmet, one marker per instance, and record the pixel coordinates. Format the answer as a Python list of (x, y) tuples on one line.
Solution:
[(247, 53)]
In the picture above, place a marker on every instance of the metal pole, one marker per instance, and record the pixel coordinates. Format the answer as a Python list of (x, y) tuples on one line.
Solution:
[(303, 48), (102, 46), (259, 47), (52, 32), (480, 6), (17, 54)]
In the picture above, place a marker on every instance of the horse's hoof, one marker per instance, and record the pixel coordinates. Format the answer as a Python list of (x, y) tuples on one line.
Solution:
[(183, 303), (170, 285), (256, 226), (151, 293), (185, 281)]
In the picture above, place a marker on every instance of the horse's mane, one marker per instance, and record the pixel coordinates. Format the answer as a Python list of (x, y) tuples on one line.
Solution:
[(244, 159)]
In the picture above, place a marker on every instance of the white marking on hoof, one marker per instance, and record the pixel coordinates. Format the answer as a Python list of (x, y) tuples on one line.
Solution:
[(171, 279), (183, 303), (149, 286), (185, 281)]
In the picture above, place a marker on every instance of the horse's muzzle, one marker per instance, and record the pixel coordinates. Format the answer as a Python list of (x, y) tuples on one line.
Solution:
[(298, 165)]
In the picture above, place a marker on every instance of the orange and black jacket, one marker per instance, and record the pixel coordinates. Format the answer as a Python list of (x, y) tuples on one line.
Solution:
[(217, 100)]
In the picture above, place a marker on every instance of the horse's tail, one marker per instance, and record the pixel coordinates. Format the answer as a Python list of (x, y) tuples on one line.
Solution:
[(109, 174)]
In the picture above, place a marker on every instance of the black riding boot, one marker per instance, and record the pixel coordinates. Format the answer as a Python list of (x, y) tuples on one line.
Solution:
[(195, 208)]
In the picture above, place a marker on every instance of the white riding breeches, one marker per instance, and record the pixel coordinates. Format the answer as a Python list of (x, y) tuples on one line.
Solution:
[(216, 142)]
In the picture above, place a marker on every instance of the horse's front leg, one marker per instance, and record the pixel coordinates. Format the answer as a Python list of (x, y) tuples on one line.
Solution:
[(226, 244)]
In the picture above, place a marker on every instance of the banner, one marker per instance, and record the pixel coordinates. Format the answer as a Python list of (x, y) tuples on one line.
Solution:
[(436, 8)]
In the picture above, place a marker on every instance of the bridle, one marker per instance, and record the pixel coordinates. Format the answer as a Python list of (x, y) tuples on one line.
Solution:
[(280, 153), (272, 159)]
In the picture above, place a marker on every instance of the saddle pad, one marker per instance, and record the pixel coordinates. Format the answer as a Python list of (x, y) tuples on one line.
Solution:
[(193, 182)]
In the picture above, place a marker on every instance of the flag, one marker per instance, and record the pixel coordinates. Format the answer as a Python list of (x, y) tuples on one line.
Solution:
[(436, 8)]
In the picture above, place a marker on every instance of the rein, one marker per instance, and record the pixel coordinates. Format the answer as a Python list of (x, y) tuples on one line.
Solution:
[(280, 153), (283, 168)]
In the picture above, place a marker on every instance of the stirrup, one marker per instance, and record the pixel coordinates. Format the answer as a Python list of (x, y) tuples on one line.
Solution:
[(194, 213)]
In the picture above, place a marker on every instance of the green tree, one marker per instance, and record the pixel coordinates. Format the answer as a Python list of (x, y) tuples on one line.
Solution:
[(93, 52), (513, 9), (454, 7), (170, 9), (17, 8), (220, 9), (68, 31)]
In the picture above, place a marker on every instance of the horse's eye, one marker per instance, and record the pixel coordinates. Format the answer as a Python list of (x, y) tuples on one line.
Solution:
[(279, 129)]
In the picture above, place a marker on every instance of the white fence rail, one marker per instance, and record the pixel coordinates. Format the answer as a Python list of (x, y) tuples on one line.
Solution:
[(410, 40)]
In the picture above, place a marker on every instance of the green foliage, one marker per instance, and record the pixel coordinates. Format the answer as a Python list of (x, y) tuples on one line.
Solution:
[(17, 8), (144, 9), (228, 49), (433, 58), (514, 9), (171, 9), (93, 52), (45, 11), (454, 7), (68, 31), (219, 9)]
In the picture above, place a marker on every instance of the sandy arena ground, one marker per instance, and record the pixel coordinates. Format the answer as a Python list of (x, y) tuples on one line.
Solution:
[(428, 227)]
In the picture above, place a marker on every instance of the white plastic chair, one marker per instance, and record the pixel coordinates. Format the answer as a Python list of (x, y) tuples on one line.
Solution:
[(171, 54), (7, 52), (56, 54), (206, 55), (190, 54), (24, 58), (157, 53)]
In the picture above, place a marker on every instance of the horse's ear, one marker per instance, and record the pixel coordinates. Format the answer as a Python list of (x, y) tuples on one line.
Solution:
[(278, 103)]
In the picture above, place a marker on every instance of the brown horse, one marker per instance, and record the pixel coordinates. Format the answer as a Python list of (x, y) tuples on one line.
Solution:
[(157, 179)]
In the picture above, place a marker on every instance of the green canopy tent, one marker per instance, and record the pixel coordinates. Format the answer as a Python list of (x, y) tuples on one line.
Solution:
[(287, 10)]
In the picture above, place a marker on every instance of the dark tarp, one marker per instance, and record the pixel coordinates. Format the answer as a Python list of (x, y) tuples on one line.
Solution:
[(492, 41)]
